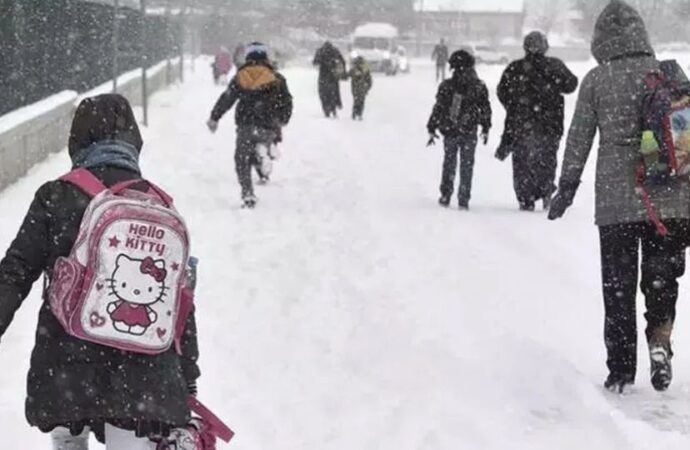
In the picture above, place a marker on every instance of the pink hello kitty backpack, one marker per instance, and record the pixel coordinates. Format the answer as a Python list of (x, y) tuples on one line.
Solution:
[(123, 284)]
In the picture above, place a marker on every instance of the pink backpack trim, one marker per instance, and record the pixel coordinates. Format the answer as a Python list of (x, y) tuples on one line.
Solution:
[(217, 426), (84, 180), (91, 185)]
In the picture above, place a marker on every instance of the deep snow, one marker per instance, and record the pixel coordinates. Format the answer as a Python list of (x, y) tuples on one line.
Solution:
[(350, 312)]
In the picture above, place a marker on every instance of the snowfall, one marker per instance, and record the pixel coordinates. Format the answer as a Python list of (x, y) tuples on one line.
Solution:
[(349, 311)]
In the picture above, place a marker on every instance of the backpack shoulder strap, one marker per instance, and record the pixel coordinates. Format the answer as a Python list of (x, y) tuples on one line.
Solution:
[(84, 180)]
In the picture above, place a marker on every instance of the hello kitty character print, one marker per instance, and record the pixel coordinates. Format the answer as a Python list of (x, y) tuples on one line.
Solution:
[(123, 284), (137, 285)]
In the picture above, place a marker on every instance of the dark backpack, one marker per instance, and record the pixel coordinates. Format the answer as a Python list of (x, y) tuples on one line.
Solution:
[(665, 140)]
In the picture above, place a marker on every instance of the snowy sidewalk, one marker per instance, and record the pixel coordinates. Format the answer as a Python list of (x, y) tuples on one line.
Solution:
[(348, 311)]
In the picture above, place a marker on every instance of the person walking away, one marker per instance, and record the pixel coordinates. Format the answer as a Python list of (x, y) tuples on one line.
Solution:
[(462, 106), (532, 90), (332, 69), (440, 56), (361, 82), (264, 108), (238, 55), (222, 65), (77, 386), (610, 101)]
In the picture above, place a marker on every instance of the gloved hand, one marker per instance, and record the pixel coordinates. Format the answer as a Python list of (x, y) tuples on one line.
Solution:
[(212, 125), (432, 138), (485, 136), (563, 199), (192, 388)]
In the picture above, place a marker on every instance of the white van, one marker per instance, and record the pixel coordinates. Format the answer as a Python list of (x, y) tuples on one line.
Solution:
[(377, 43)]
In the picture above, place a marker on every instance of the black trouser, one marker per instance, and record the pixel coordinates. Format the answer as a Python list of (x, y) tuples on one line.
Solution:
[(440, 71), (663, 262), (246, 156), (535, 160), (466, 146), (358, 105)]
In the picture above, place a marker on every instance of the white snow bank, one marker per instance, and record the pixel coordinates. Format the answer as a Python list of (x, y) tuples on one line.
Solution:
[(27, 113), (376, 30)]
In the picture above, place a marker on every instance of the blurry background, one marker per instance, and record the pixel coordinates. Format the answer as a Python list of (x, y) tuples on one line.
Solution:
[(52, 45)]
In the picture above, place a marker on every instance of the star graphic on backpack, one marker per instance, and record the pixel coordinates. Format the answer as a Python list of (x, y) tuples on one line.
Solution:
[(114, 242)]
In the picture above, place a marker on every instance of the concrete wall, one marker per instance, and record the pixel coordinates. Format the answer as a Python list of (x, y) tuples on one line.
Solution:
[(31, 134)]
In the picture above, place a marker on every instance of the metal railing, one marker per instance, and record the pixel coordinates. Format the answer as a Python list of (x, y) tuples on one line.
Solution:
[(47, 46)]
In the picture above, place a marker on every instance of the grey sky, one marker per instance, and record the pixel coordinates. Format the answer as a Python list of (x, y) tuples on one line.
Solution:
[(491, 5)]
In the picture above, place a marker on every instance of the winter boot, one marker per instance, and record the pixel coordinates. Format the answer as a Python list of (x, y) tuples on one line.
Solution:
[(463, 205), (249, 202), (660, 355), (618, 384), (660, 368), (444, 201), (265, 163), (527, 206)]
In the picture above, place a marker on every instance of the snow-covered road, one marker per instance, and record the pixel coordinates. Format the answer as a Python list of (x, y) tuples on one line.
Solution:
[(348, 311)]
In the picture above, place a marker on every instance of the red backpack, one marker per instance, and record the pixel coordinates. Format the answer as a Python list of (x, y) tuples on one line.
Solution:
[(665, 140)]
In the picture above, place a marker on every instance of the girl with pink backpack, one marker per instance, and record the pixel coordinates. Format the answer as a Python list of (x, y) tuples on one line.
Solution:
[(116, 343)]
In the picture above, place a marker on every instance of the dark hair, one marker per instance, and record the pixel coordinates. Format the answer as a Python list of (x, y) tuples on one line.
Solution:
[(536, 43), (461, 60), (103, 118)]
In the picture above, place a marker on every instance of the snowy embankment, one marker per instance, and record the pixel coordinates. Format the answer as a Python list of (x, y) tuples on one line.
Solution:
[(350, 312)]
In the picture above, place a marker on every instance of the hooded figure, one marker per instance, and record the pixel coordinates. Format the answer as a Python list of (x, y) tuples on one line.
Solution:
[(264, 107), (440, 57), (610, 102), (332, 69), (462, 106), (74, 384), (531, 90), (222, 65), (361, 81)]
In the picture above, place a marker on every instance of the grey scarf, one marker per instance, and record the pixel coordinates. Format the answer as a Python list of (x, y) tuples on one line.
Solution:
[(108, 153)]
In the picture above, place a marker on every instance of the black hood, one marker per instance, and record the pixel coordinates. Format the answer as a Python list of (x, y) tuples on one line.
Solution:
[(107, 117), (620, 32)]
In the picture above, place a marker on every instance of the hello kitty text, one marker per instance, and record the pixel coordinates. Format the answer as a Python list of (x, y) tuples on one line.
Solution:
[(144, 237)]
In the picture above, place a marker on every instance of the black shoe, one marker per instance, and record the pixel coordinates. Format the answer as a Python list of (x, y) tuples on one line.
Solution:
[(444, 201), (463, 205), (661, 369), (529, 207), (618, 384), (249, 202)]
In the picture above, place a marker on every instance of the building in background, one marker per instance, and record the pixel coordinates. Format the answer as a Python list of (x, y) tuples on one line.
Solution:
[(487, 21)]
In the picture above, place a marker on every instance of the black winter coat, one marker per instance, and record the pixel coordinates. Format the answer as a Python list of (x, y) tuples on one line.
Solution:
[(263, 95), (361, 80), (71, 382), (332, 69), (462, 105), (531, 90)]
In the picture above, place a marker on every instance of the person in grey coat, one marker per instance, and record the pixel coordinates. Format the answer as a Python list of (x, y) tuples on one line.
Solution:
[(610, 101)]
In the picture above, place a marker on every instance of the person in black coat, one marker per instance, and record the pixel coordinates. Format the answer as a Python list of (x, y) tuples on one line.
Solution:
[(332, 69), (531, 90), (440, 57), (264, 107), (74, 384), (462, 106), (361, 80)]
